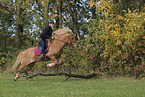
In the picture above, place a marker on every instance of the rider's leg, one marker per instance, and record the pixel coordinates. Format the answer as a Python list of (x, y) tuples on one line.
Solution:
[(42, 41)]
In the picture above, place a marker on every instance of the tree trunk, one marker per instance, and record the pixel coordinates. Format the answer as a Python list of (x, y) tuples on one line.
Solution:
[(120, 7), (45, 12), (93, 10), (19, 26), (59, 17), (141, 2), (73, 19), (4, 36), (60, 13)]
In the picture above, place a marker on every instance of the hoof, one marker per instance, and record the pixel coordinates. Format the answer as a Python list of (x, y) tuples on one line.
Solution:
[(26, 79), (14, 79)]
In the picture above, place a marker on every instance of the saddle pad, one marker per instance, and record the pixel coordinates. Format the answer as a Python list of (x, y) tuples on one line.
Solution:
[(38, 50)]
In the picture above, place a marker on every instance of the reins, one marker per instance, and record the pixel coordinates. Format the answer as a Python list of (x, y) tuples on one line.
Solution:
[(67, 40), (61, 40)]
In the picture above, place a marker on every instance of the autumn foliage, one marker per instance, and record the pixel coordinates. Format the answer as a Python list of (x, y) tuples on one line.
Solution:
[(115, 44), (111, 34)]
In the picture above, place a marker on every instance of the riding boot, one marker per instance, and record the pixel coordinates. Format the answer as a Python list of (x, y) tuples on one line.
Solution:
[(43, 57)]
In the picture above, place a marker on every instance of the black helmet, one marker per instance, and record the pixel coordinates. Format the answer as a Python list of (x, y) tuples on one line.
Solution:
[(50, 21)]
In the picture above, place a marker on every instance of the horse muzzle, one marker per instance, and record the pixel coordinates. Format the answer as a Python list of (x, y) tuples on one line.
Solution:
[(74, 45)]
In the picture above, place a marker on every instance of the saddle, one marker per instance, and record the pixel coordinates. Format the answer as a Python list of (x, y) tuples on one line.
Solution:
[(38, 49)]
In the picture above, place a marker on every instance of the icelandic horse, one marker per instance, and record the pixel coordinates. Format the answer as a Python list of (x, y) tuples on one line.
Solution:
[(28, 57)]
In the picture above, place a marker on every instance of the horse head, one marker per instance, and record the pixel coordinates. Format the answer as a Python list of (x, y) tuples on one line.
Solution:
[(72, 41), (68, 37)]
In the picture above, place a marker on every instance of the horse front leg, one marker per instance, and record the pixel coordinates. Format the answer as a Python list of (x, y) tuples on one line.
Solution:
[(60, 61), (53, 58)]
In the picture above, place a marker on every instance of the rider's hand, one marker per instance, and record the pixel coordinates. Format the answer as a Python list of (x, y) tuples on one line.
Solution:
[(52, 37)]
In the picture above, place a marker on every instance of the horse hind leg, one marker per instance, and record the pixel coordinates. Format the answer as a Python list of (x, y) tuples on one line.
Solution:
[(17, 76), (19, 71), (29, 67)]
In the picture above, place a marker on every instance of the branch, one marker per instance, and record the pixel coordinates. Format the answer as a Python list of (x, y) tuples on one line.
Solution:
[(66, 74)]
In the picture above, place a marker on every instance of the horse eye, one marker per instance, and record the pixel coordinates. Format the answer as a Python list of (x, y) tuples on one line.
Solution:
[(72, 38)]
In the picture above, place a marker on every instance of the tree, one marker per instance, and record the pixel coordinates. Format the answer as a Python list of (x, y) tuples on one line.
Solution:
[(5, 22), (73, 18), (19, 22), (121, 37)]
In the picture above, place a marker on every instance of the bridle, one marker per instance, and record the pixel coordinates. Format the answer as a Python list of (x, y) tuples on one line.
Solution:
[(69, 39)]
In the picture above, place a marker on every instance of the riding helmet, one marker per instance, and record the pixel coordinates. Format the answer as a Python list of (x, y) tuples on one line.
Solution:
[(50, 21)]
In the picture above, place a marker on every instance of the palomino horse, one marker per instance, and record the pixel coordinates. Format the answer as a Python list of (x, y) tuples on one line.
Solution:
[(28, 58)]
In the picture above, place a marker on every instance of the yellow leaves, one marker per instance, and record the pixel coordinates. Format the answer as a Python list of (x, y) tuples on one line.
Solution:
[(105, 54), (120, 17), (92, 3), (118, 42), (115, 33), (136, 57)]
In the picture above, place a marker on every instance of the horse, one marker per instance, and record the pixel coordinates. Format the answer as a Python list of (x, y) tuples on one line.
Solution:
[(28, 59)]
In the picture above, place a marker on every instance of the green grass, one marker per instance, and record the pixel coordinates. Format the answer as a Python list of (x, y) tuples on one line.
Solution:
[(55, 87)]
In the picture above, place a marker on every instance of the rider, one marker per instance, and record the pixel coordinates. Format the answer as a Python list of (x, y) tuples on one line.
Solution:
[(45, 35)]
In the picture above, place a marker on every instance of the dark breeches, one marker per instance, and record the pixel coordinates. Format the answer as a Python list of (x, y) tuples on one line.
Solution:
[(43, 43)]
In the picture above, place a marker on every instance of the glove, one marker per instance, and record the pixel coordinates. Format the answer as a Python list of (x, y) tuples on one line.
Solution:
[(52, 37)]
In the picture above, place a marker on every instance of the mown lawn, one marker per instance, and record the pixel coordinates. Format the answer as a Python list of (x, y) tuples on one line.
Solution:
[(55, 87)]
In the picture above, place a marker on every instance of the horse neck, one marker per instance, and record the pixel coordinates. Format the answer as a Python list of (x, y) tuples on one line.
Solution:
[(59, 42)]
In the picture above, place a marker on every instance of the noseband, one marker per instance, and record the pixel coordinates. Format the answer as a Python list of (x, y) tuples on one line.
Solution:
[(70, 39)]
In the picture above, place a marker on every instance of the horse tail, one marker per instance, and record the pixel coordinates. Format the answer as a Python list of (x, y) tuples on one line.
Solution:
[(18, 61)]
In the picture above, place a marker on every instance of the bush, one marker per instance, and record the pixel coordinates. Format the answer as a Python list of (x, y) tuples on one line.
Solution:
[(119, 40)]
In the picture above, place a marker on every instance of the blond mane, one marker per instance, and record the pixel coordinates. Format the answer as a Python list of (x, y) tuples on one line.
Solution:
[(62, 32)]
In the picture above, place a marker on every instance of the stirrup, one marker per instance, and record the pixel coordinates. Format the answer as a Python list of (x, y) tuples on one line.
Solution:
[(48, 58), (43, 57)]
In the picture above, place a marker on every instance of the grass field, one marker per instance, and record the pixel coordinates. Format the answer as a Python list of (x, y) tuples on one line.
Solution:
[(56, 87)]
